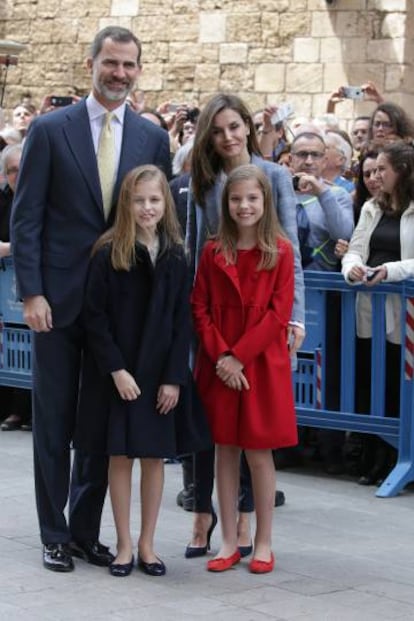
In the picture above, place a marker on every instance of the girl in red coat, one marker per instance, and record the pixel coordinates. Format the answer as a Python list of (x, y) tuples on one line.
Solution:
[(242, 302)]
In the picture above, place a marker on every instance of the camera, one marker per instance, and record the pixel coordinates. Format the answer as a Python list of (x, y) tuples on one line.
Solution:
[(60, 102), (295, 181), (284, 111), (353, 92)]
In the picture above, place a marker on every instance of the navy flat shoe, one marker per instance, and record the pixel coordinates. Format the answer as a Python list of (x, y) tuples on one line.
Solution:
[(152, 569), (121, 570)]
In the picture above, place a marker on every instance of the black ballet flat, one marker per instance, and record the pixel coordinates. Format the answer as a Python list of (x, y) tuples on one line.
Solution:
[(245, 550), (121, 570), (196, 551), (152, 569)]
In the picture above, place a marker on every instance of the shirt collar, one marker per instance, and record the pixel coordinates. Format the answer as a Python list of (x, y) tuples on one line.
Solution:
[(96, 110)]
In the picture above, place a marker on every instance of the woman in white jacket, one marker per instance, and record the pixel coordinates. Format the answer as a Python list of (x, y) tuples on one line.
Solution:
[(382, 250)]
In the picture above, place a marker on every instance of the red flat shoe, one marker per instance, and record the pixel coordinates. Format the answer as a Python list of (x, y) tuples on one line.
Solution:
[(262, 567), (222, 564)]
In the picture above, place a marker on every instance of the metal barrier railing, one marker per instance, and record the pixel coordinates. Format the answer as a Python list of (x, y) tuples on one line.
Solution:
[(310, 377)]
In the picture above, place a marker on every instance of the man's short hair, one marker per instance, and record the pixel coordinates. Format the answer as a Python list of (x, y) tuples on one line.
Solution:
[(309, 136), (117, 34)]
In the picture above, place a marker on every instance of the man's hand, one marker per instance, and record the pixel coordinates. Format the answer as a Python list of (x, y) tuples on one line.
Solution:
[(37, 313), (5, 249), (167, 397), (126, 385), (309, 184)]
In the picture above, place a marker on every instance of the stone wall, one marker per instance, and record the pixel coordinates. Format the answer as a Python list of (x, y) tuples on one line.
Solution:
[(267, 51)]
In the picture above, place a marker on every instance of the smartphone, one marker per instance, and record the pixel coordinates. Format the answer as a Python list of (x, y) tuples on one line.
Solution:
[(295, 181), (60, 102), (353, 92), (173, 107), (284, 111), (370, 274)]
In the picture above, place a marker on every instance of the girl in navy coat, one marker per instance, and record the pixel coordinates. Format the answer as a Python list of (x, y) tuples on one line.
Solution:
[(137, 320)]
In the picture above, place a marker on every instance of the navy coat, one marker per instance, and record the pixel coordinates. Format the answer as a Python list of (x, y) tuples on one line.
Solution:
[(138, 320)]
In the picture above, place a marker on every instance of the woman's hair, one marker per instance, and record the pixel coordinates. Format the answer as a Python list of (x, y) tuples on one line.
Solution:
[(268, 227), (361, 191), (402, 124), (10, 151), (400, 156), (123, 234), (206, 164)]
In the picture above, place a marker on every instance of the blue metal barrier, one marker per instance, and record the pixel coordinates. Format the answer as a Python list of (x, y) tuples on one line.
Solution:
[(15, 337), (309, 379)]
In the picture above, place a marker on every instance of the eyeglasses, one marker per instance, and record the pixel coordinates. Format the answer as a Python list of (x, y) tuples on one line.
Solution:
[(12, 171), (303, 155), (384, 124)]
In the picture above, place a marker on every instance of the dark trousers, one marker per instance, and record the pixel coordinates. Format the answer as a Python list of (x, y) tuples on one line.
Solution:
[(57, 357), (204, 483)]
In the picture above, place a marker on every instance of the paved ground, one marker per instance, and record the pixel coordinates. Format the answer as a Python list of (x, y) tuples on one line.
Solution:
[(342, 555)]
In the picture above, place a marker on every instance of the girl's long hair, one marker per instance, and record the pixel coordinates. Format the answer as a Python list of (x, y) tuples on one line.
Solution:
[(361, 191), (122, 236), (268, 227), (205, 163), (400, 155)]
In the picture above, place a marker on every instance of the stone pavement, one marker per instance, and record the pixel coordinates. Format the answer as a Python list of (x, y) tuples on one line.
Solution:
[(342, 555)]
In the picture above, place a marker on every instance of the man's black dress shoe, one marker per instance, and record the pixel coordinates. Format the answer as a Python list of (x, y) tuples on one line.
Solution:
[(57, 557), (121, 570), (92, 551), (152, 569), (280, 498)]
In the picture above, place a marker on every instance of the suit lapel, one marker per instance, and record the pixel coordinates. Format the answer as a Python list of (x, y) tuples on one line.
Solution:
[(78, 134)]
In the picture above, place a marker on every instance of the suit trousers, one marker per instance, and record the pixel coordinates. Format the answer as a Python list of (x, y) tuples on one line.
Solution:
[(57, 358)]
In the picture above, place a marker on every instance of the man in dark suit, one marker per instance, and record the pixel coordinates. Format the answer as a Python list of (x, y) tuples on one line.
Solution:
[(61, 207)]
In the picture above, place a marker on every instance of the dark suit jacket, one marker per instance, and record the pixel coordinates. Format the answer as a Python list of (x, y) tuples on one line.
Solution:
[(57, 213)]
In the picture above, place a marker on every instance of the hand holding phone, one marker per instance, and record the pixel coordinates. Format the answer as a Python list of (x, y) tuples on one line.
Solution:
[(353, 92)]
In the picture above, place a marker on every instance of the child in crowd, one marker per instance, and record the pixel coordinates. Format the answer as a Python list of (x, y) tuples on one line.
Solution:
[(242, 302), (137, 319)]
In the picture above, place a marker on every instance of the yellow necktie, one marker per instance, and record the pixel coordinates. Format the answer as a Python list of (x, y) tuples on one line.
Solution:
[(106, 162)]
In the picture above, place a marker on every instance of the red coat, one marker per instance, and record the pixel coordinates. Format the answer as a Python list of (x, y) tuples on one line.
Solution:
[(254, 329)]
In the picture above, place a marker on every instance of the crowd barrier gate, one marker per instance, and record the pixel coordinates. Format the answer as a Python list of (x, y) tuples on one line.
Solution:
[(309, 377)]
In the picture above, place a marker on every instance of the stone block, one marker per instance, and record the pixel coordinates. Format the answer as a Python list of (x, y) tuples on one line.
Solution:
[(269, 28), (81, 8), (393, 25), (304, 78), (88, 27), (212, 27), (387, 5), (233, 53), (387, 50), (334, 75), (235, 78), (125, 22), (399, 78), (260, 55), (357, 24), (269, 77), (294, 24), (64, 30), (155, 52), (151, 78), (348, 5), (21, 11), (206, 77), (302, 104), (243, 27), (323, 24), (180, 77), (127, 8), (306, 49), (334, 50)]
